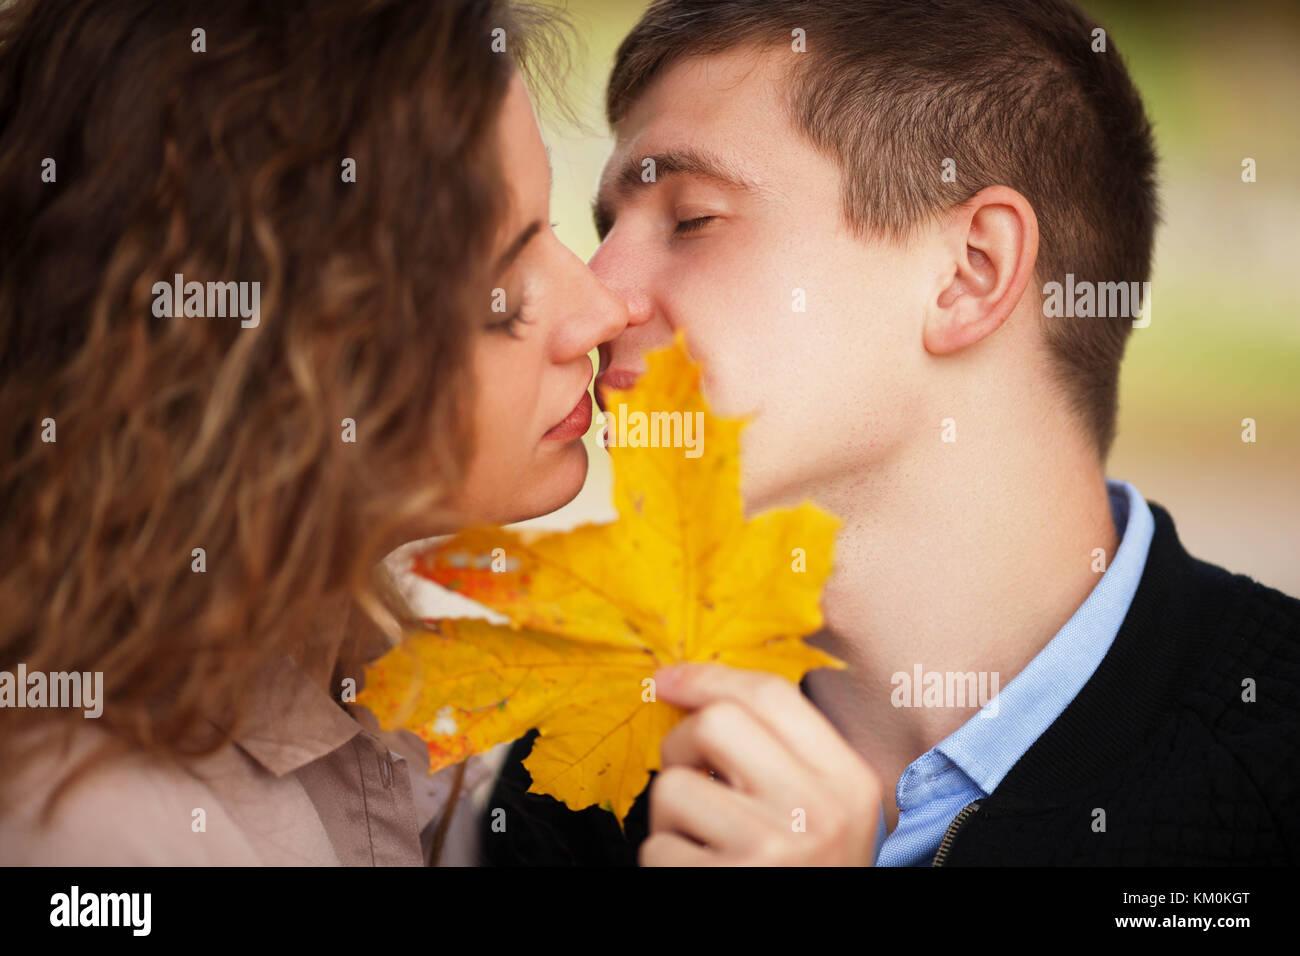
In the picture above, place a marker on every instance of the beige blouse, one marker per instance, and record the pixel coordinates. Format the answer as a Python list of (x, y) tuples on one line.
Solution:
[(307, 784)]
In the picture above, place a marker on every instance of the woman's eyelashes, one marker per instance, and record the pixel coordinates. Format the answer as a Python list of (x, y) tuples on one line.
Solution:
[(510, 324)]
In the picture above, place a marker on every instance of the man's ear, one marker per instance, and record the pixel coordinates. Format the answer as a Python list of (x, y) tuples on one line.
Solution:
[(990, 246)]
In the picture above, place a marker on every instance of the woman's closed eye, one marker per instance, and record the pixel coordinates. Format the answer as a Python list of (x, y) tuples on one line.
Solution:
[(509, 325)]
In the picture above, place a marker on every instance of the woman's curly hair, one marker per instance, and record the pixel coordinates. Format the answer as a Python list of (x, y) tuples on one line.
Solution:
[(174, 433)]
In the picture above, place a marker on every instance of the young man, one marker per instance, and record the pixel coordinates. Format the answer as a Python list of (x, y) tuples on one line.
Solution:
[(854, 211)]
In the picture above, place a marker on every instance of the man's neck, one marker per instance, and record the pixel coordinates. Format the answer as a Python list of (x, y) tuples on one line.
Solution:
[(955, 558)]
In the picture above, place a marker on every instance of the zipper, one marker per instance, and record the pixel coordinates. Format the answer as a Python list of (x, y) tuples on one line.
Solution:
[(945, 845)]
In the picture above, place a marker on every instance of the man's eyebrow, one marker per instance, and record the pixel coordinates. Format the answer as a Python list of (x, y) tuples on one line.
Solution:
[(517, 246), (693, 162), (682, 161)]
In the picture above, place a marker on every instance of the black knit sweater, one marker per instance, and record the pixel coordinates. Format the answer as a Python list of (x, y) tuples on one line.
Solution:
[(1160, 746)]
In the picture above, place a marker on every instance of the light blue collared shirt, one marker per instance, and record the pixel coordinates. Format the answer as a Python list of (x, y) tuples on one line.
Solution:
[(969, 763)]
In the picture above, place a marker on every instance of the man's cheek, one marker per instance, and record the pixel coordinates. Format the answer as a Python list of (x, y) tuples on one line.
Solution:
[(728, 385)]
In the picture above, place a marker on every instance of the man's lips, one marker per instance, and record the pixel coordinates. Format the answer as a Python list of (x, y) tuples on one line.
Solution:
[(615, 378), (575, 424)]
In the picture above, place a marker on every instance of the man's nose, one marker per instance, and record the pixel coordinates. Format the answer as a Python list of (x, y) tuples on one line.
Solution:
[(621, 276)]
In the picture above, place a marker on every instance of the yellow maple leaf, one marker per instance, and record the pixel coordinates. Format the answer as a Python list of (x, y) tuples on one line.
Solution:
[(680, 576)]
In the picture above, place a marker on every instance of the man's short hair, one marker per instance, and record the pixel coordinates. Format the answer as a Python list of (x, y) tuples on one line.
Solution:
[(1015, 92)]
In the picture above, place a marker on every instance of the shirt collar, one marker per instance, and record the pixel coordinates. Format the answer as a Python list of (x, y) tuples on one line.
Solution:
[(988, 745), (290, 720)]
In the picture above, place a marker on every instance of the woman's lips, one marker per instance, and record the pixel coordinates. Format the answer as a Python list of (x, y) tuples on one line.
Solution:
[(575, 424)]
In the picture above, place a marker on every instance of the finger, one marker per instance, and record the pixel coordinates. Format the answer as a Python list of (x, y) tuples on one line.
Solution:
[(685, 802), (775, 701), (673, 849), (726, 737)]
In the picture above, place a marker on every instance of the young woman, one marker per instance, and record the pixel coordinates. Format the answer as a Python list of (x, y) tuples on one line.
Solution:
[(278, 292)]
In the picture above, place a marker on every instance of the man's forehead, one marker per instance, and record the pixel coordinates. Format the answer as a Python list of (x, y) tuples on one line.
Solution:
[(715, 104), (700, 82)]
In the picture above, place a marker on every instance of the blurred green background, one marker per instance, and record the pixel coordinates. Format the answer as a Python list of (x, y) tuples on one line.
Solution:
[(1221, 82)]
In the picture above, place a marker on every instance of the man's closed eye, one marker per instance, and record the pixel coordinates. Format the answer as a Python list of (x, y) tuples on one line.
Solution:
[(692, 225)]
